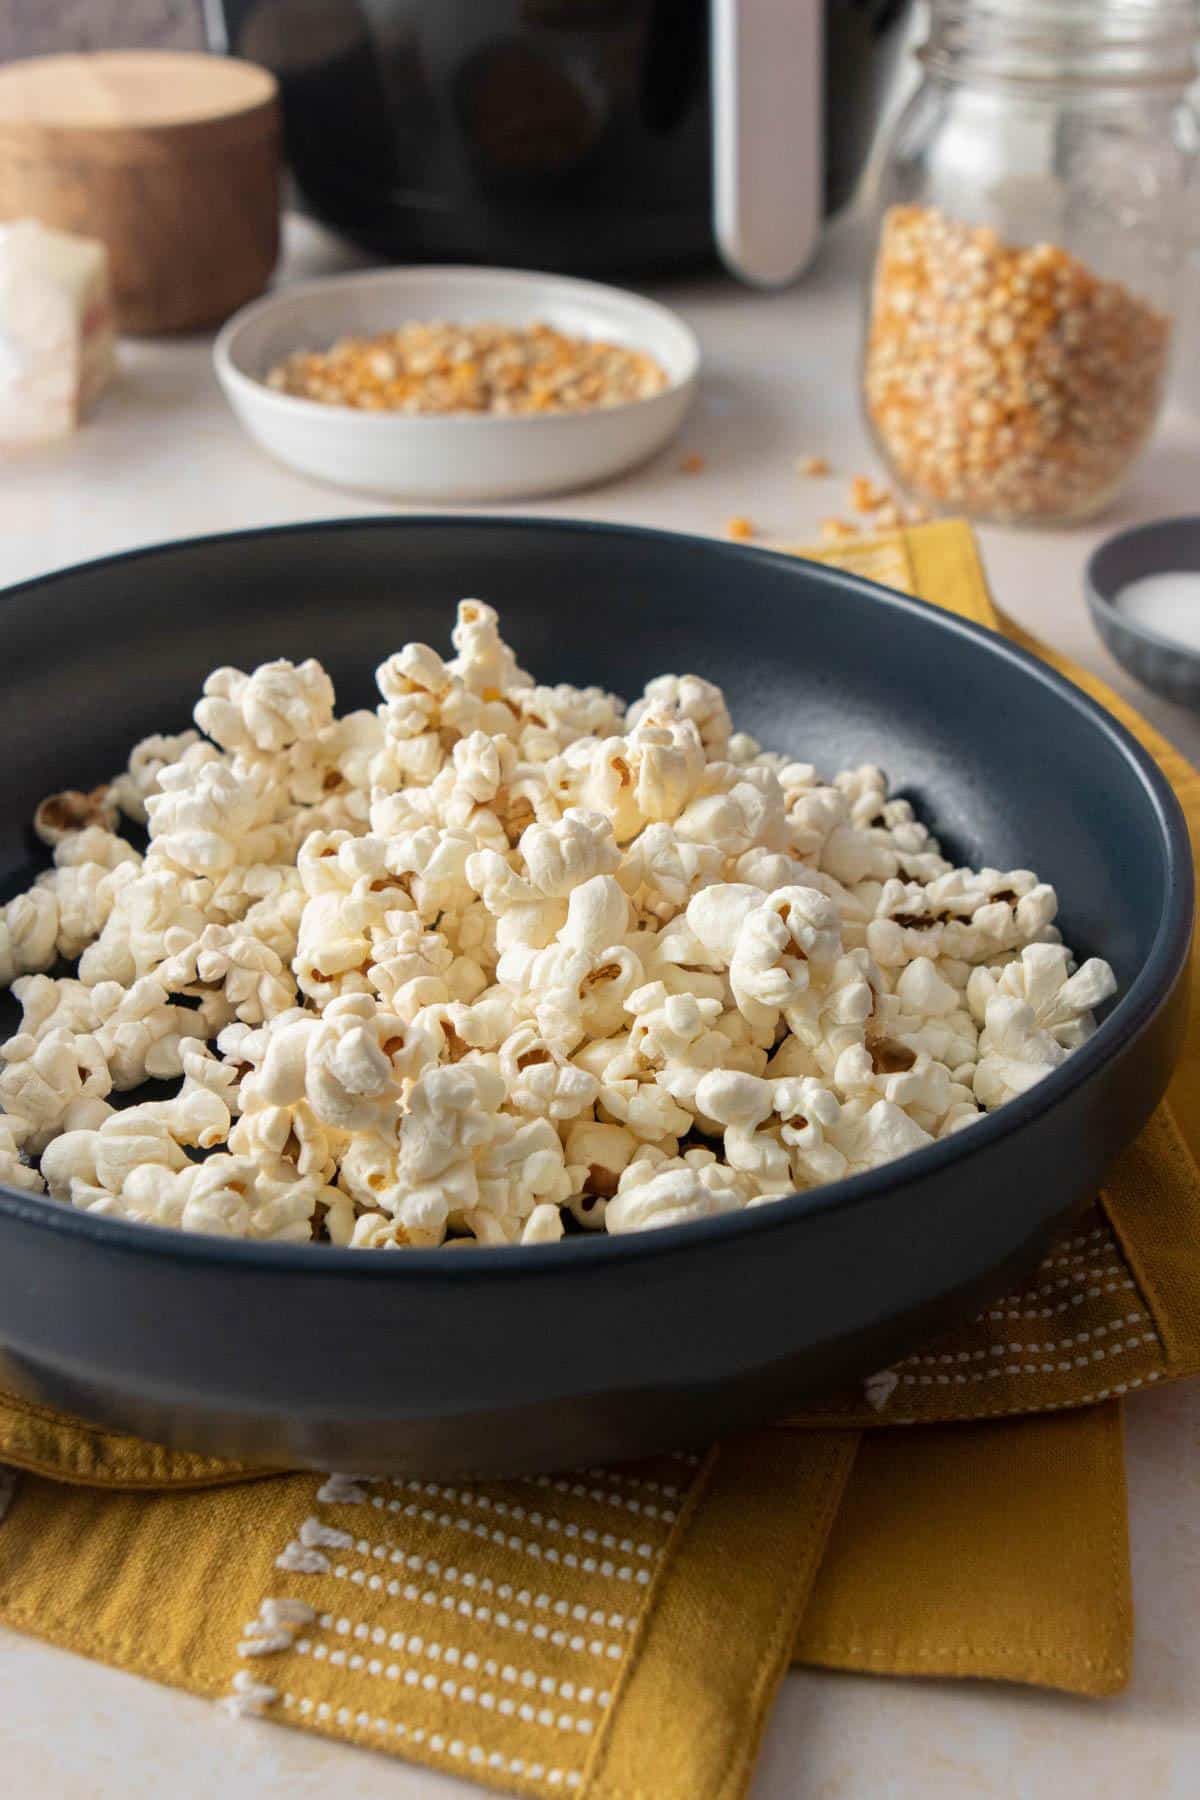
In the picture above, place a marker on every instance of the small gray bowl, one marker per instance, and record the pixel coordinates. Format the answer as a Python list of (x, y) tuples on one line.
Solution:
[(1166, 546)]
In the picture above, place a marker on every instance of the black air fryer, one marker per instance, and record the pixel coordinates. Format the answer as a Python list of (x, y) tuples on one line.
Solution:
[(595, 136)]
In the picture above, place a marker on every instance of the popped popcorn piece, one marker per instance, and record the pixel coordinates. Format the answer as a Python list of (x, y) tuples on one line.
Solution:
[(147, 760), (543, 1226), (61, 815), (1013, 1052), (540, 1080), (28, 933), (1062, 1003), (14, 1171), (661, 872), (646, 777), (269, 709), (41, 1077), (781, 945), (351, 1064), (878, 1134), (673, 1197), (597, 1155)]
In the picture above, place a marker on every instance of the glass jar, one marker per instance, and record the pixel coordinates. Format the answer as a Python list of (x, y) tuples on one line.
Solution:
[(1032, 233)]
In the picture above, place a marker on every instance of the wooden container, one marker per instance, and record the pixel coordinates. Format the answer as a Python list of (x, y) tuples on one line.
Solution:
[(172, 160)]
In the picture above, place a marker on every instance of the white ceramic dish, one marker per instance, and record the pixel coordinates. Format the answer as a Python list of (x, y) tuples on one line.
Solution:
[(455, 456)]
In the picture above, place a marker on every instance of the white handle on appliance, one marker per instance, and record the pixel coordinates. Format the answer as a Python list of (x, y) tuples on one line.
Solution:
[(768, 135)]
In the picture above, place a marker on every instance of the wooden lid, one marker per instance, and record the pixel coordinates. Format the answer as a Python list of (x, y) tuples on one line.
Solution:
[(136, 92)]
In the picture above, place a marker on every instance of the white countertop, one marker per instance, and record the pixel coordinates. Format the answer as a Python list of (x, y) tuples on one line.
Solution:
[(164, 459)]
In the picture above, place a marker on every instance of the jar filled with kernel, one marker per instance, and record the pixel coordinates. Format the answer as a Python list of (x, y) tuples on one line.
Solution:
[(1032, 232)]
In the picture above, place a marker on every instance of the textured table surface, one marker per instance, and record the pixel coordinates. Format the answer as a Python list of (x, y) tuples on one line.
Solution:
[(163, 459)]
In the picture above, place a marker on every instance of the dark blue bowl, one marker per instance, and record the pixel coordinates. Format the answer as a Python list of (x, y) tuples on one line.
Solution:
[(510, 1360)]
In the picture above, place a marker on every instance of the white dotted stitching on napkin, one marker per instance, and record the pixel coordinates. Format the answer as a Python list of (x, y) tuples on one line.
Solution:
[(503, 1591), (1066, 1343), (646, 1508), (503, 1509), (436, 1741), (532, 1547), (1030, 1368), (483, 1615), (454, 1687), (616, 1475)]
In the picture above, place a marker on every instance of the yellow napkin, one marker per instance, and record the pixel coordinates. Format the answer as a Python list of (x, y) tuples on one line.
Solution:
[(621, 1632)]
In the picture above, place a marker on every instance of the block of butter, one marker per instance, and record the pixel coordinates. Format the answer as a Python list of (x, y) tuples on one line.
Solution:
[(56, 331)]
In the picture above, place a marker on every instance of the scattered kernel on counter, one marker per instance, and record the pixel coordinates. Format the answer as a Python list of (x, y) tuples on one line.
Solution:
[(692, 465), (740, 528), (444, 368), (1011, 382), (838, 531), (812, 466), (865, 496)]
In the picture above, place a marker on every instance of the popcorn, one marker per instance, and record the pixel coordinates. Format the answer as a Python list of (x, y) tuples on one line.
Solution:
[(378, 1231), (661, 873), (495, 963), (198, 815), (64, 815), (28, 933), (251, 976), (878, 1134), (41, 1077), (572, 994), (350, 1064), (269, 710), (15, 1173), (288, 1141), (598, 1154), (1062, 1003), (677, 1195), (1013, 1052), (85, 894), (748, 813), (597, 915), (140, 1033), (555, 718), (452, 1115), (780, 945), (560, 857), (645, 777), (540, 1081), (153, 917), (688, 697), (543, 1226), (520, 1168), (147, 760), (485, 664)]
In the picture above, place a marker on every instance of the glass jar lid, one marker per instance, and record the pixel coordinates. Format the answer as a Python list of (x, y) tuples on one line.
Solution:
[(1069, 43)]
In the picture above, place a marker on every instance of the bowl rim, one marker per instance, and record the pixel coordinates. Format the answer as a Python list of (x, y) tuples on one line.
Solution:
[(1134, 1009), (235, 378), (1100, 601)]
